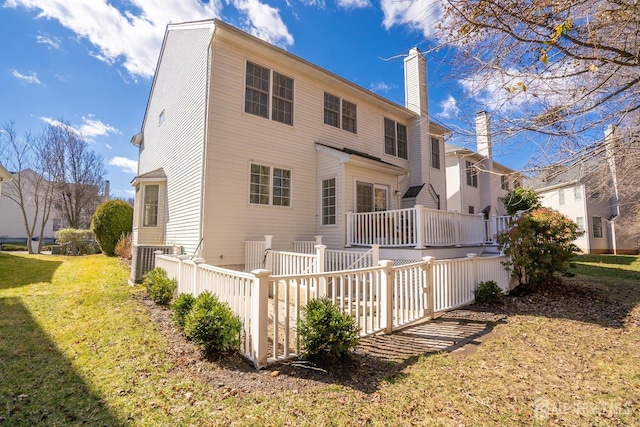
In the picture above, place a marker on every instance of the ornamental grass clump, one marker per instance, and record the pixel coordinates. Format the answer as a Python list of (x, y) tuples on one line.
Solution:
[(212, 325), (160, 288), (325, 331)]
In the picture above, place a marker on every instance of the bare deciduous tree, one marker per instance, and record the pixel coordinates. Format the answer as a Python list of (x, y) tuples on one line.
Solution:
[(77, 173), (557, 68), (30, 189)]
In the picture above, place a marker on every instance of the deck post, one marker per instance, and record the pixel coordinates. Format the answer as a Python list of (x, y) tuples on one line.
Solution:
[(419, 229), (318, 240), (474, 268), (260, 318), (349, 230), (456, 228), (429, 289), (386, 297), (196, 263), (320, 268)]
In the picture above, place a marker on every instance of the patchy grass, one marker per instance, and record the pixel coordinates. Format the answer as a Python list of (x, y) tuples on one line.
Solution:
[(77, 348)]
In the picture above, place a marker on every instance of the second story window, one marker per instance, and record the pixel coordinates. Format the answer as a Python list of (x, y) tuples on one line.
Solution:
[(395, 139), (472, 174), (340, 113), (504, 182), (259, 91), (435, 153)]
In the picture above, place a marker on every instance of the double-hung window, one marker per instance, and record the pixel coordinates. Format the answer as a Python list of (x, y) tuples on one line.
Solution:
[(578, 193), (264, 85), (472, 174), (151, 193), (395, 139), (504, 182), (329, 201), (340, 113), (435, 153), (597, 227), (561, 196), (270, 186)]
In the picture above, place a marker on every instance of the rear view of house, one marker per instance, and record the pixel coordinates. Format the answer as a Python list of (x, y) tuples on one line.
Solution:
[(242, 139)]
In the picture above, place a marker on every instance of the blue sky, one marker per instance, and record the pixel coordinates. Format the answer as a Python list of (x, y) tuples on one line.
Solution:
[(91, 62)]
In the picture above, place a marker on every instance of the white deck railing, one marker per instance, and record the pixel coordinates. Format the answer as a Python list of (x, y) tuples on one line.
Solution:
[(497, 224), (380, 298), (417, 227)]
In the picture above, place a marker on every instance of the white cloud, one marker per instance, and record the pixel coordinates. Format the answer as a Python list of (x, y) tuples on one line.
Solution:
[(28, 78), (132, 37), (53, 42), (90, 128), (353, 4), (449, 107), (264, 21), (422, 15), (127, 165), (381, 87)]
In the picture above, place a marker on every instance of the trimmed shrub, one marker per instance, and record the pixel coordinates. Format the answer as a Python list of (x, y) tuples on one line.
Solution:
[(212, 325), (111, 219), (539, 246), (324, 330), (159, 286), (181, 307), (77, 242), (521, 199), (488, 292), (123, 247)]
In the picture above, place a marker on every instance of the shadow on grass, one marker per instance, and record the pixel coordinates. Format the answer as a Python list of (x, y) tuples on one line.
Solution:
[(38, 385), (17, 271), (383, 358)]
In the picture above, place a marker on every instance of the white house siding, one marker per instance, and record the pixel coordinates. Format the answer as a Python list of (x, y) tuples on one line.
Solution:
[(455, 188), (176, 144), (11, 218), (236, 139), (333, 236), (572, 209)]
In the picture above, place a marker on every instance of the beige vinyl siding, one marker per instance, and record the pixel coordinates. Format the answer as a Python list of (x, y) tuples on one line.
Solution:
[(236, 139), (333, 236), (151, 235), (176, 144)]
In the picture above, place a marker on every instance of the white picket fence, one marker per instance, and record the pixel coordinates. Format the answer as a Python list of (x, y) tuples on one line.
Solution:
[(380, 298)]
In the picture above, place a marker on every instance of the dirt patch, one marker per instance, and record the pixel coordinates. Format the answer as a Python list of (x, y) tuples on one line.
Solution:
[(383, 357)]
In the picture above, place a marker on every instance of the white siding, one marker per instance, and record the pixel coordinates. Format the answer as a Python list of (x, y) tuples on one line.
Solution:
[(236, 139), (176, 144)]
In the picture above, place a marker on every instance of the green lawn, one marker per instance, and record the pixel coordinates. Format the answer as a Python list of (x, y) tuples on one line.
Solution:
[(77, 348)]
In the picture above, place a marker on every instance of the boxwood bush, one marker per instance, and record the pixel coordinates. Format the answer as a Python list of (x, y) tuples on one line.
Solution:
[(212, 325), (109, 222), (181, 307), (159, 286), (325, 331), (488, 292)]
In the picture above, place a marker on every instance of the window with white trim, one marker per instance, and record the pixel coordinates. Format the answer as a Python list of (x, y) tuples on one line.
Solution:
[(329, 201), (597, 227), (270, 186), (561, 197), (578, 193), (371, 197), (504, 182), (435, 153), (580, 223), (259, 90), (340, 113), (395, 138), (150, 209), (472, 174)]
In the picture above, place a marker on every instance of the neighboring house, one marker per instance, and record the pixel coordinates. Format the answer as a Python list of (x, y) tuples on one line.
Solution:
[(241, 139), (5, 175), (578, 192), (12, 226), (475, 182)]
